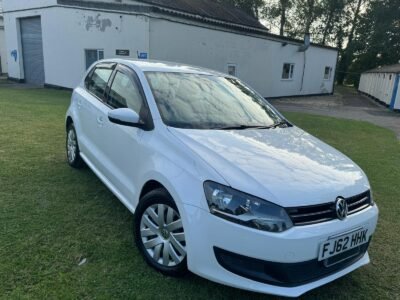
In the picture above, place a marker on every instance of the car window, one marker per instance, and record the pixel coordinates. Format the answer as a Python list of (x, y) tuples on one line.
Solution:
[(96, 82), (199, 101), (125, 92)]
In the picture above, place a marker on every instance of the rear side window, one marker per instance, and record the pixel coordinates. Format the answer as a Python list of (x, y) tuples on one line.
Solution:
[(97, 80), (124, 93)]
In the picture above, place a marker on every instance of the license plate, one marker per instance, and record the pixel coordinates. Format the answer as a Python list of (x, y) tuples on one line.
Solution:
[(342, 243)]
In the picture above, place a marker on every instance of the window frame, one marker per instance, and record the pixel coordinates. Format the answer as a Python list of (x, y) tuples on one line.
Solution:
[(110, 66), (148, 121), (236, 69), (329, 74), (98, 56), (291, 71), (127, 72)]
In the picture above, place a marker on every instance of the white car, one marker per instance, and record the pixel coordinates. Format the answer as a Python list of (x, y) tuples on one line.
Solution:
[(220, 183)]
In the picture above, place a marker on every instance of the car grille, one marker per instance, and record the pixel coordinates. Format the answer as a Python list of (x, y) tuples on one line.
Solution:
[(307, 215)]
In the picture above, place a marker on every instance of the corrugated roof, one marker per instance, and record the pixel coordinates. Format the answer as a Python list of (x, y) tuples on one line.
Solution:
[(386, 69), (210, 9)]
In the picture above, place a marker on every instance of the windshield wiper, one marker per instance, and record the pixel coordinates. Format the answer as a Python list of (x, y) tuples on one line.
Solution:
[(243, 127)]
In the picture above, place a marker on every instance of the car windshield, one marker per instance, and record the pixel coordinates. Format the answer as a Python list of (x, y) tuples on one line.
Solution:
[(200, 101)]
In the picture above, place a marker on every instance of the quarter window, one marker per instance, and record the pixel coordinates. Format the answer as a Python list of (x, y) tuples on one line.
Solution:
[(124, 93), (288, 70), (93, 55), (97, 80), (327, 73)]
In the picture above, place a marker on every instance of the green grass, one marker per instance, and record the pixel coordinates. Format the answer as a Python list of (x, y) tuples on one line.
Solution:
[(52, 216)]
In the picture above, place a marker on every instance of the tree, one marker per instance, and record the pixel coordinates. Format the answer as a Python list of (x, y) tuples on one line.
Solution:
[(278, 10), (304, 15), (347, 53), (376, 39), (252, 7), (366, 32), (331, 15)]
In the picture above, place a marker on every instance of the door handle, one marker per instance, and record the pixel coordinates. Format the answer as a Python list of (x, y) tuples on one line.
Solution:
[(100, 120)]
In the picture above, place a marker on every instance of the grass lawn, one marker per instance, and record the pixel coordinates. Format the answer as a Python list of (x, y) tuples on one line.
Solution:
[(52, 216)]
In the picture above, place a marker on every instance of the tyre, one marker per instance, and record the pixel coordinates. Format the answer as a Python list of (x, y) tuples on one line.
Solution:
[(73, 157), (159, 233)]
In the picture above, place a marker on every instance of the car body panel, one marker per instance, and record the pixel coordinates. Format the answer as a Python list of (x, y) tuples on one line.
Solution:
[(286, 166), (295, 245)]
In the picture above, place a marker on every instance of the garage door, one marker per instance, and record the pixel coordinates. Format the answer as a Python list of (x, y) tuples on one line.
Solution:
[(32, 50)]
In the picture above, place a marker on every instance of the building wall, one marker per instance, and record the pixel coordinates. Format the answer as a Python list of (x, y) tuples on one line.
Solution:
[(68, 32), (378, 85), (259, 61), (3, 49), (12, 5)]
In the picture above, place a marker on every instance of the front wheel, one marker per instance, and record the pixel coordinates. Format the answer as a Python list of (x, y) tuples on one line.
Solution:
[(159, 233), (73, 157)]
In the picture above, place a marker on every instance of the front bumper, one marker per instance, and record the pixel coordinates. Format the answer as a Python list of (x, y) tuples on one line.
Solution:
[(205, 233)]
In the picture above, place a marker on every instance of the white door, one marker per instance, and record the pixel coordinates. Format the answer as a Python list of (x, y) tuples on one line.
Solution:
[(92, 111), (125, 147)]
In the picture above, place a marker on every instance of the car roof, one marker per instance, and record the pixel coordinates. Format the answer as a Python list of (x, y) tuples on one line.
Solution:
[(164, 66)]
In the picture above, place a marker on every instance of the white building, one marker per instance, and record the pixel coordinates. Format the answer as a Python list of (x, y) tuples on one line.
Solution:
[(52, 42), (3, 50), (382, 84)]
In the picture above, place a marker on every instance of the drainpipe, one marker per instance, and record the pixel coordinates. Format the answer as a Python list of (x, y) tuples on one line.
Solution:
[(303, 48), (307, 42)]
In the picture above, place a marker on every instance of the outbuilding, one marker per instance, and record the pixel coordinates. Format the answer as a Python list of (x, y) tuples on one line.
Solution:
[(53, 42), (382, 84)]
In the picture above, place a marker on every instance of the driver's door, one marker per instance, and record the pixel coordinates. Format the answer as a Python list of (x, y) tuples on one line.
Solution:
[(126, 147)]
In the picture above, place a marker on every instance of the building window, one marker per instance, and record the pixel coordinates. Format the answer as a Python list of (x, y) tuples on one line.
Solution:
[(390, 77), (93, 55), (232, 69), (328, 73), (287, 72)]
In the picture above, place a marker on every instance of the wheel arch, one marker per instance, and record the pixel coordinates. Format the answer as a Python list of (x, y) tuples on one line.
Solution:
[(151, 185), (68, 122)]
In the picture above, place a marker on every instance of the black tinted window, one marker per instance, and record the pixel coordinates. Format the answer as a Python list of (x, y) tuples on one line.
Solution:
[(125, 92), (97, 81)]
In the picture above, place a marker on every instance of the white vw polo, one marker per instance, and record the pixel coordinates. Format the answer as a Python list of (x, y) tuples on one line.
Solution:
[(220, 183)]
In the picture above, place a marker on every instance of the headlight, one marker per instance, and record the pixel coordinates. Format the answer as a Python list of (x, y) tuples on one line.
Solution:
[(245, 209)]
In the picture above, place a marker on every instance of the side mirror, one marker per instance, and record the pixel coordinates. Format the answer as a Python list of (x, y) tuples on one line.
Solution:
[(125, 117)]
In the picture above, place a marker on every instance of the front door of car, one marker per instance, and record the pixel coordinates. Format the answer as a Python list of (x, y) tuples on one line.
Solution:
[(125, 147), (92, 110)]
